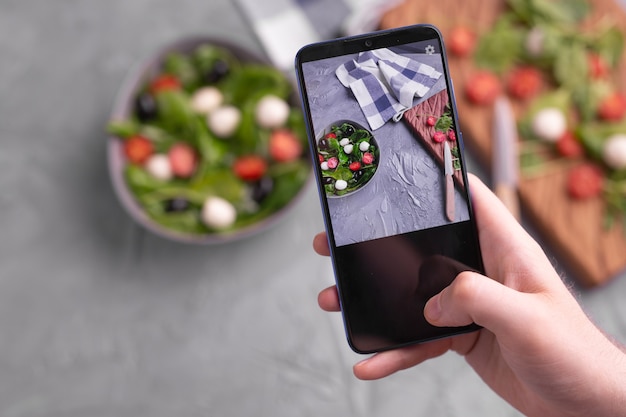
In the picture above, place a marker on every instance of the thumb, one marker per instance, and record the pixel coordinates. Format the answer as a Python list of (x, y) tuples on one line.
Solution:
[(474, 298)]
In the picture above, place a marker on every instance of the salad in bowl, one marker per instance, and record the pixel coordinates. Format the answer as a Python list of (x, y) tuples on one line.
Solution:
[(207, 143), (348, 157)]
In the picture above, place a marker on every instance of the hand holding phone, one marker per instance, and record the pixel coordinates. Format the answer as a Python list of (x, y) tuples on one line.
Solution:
[(382, 128)]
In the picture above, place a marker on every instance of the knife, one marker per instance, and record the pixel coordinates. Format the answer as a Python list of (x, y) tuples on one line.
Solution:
[(504, 157), (448, 171)]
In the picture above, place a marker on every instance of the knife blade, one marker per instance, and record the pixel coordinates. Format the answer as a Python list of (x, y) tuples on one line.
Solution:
[(504, 157), (448, 171)]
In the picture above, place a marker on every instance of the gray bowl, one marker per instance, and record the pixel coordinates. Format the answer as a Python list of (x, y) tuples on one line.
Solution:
[(123, 108)]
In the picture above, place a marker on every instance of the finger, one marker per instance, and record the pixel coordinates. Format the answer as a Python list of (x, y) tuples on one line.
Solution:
[(386, 363), (474, 298), (328, 299), (320, 244), (510, 254)]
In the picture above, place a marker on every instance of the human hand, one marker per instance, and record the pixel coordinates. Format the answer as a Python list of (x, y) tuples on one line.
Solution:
[(537, 349)]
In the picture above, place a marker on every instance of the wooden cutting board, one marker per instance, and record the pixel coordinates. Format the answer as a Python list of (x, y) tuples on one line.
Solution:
[(573, 229)]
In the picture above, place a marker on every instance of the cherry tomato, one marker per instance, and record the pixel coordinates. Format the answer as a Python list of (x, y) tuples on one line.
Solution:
[(138, 149), (250, 167), (164, 82)]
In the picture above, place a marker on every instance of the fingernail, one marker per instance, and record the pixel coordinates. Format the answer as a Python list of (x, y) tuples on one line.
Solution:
[(362, 363), (432, 310)]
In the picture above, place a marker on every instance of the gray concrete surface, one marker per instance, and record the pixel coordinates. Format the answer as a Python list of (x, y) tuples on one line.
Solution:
[(100, 318)]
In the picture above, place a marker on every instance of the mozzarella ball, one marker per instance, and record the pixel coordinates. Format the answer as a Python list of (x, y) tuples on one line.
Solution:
[(158, 165), (271, 112), (341, 185), (614, 151), (218, 213), (206, 99), (324, 166), (549, 124), (364, 146), (344, 141), (535, 42), (348, 149), (224, 121)]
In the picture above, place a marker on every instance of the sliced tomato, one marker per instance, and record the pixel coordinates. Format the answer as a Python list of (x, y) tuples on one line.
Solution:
[(585, 181), (138, 149), (183, 159), (284, 146), (250, 167)]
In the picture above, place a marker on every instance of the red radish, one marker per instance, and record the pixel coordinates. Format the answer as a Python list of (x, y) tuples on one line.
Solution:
[(584, 181), (439, 137)]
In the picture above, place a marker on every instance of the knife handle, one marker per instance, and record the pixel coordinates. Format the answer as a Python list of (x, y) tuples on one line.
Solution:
[(508, 196), (449, 198)]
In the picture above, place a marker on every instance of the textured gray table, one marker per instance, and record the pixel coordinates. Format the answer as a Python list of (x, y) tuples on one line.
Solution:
[(100, 318)]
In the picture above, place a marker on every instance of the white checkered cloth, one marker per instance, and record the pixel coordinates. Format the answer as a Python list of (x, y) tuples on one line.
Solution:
[(385, 84)]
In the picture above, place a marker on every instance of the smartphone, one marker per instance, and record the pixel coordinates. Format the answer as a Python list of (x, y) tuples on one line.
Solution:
[(388, 157)]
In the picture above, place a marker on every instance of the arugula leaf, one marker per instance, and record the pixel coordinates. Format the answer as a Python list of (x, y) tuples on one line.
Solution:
[(499, 49)]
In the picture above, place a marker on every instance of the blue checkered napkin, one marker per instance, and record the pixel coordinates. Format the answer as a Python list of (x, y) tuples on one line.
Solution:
[(385, 83)]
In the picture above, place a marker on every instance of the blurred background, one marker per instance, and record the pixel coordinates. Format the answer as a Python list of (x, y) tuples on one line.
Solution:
[(99, 317)]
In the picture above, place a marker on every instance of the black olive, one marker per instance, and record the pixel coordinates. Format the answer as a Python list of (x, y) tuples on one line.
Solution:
[(145, 107), (175, 205), (323, 144), (219, 70), (262, 188), (348, 130), (327, 180), (358, 175)]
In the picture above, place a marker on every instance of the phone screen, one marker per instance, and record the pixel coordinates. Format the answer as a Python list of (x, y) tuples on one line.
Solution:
[(384, 135)]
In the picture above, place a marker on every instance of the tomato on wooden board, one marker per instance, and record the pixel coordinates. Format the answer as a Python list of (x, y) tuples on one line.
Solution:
[(483, 88), (524, 82), (568, 146), (461, 41), (585, 181)]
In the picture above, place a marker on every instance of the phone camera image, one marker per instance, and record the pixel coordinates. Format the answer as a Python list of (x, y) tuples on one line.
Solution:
[(383, 132)]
